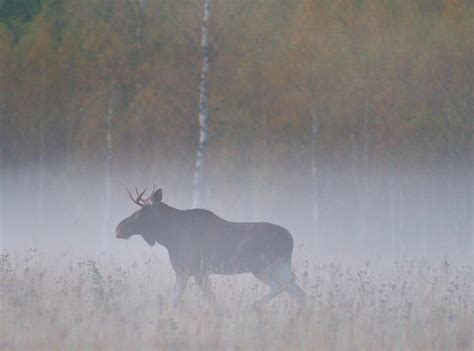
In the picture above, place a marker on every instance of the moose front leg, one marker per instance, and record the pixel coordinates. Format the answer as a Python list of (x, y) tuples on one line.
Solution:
[(179, 287)]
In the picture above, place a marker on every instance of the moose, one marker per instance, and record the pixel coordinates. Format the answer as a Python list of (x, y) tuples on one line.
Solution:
[(200, 243)]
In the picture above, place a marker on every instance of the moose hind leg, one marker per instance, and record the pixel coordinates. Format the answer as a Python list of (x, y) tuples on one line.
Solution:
[(287, 278), (276, 288), (279, 278), (296, 293)]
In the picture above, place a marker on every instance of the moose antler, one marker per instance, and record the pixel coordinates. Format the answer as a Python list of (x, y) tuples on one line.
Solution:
[(147, 201), (138, 200)]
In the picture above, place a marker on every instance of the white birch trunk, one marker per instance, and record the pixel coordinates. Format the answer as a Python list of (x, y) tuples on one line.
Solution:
[(139, 37), (314, 172), (470, 210), (69, 137), (108, 162), (198, 182), (263, 110), (366, 138), (424, 214), (2, 170), (355, 173), (265, 133), (70, 129), (364, 199), (41, 156), (401, 207), (393, 214), (451, 188)]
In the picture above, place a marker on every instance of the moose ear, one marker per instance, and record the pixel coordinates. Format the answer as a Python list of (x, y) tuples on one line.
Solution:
[(157, 196)]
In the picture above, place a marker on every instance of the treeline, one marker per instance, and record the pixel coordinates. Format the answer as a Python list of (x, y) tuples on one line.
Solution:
[(368, 98)]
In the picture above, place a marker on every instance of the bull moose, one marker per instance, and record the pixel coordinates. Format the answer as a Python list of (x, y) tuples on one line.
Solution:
[(200, 243)]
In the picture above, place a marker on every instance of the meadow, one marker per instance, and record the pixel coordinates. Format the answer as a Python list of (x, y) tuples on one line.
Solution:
[(68, 301)]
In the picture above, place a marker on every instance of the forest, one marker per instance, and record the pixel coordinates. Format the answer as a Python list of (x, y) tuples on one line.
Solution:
[(349, 121)]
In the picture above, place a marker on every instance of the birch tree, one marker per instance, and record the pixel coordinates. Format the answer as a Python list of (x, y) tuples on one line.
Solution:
[(108, 159), (42, 149), (471, 183), (365, 177), (39, 59), (314, 167), (139, 10), (307, 53), (4, 48), (360, 169), (2, 170), (198, 183)]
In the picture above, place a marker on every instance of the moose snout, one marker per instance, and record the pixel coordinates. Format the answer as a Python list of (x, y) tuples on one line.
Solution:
[(118, 232)]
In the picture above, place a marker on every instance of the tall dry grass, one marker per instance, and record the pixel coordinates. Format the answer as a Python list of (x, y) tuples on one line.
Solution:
[(67, 302)]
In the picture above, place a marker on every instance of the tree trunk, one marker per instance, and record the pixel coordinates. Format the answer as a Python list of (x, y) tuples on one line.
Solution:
[(364, 198), (392, 193), (401, 208), (108, 161), (41, 156), (70, 130), (139, 37), (314, 173), (471, 185), (263, 107), (2, 170), (366, 140), (198, 182), (451, 198), (358, 192)]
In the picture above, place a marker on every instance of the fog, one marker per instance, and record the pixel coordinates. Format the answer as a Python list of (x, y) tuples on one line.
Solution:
[(407, 280), (400, 214)]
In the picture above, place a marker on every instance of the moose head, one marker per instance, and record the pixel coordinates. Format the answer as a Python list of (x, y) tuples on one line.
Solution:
[(141, 221)]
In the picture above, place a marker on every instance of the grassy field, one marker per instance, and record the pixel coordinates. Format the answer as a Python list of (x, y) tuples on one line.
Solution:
[(64, 301)]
